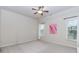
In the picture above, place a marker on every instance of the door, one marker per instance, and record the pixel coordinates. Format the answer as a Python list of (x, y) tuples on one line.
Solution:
[(41, 30)]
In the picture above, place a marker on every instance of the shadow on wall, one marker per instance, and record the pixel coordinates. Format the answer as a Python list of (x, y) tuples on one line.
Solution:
[(0, 50)]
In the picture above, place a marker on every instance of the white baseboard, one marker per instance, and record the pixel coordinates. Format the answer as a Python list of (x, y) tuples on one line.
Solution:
[(73, 46), (12, 44)]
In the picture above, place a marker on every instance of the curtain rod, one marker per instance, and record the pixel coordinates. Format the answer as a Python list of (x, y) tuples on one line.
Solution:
[(70, 17)]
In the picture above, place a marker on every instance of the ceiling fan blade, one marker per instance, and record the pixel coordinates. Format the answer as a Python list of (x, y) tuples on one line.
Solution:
[(33, 9), (42, 6), (42, 14), (35, 12), (39, 7), (45, 11)]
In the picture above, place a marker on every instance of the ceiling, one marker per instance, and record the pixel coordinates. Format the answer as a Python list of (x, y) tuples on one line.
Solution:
[(27, 10)]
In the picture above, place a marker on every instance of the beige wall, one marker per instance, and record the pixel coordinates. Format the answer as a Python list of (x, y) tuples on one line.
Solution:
[(16, 28), (0, 27), (61, 36)]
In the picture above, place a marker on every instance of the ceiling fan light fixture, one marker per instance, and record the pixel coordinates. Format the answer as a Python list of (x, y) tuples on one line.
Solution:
[(40, 11)]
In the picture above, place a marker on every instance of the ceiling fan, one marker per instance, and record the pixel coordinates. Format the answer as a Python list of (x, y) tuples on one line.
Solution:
[(40, 10)]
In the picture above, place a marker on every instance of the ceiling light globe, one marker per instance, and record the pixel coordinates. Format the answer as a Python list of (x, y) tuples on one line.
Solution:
[(40, 12)]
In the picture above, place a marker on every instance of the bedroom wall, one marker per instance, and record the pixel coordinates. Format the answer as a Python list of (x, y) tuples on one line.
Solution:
[(17, 28), (0, 26), (60, 37)]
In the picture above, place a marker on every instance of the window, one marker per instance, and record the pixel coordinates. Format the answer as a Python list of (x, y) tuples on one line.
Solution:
[(72, 28)]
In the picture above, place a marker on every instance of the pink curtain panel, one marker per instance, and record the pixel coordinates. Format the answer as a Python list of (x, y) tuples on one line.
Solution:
[(53, 28)]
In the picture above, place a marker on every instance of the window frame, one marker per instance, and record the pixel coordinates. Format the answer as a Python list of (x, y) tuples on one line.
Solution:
[(66, 23)]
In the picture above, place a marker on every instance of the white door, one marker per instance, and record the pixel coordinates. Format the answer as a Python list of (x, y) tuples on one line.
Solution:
[(41, 30)]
